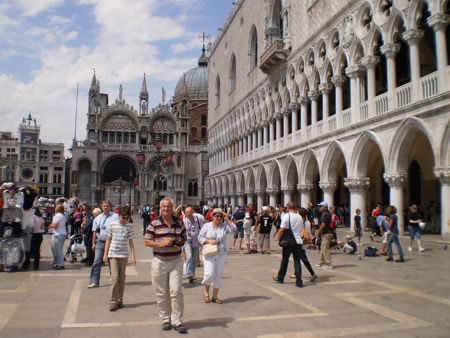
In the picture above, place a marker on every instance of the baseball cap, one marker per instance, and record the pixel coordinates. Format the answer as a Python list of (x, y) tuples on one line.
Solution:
[(323, 204)]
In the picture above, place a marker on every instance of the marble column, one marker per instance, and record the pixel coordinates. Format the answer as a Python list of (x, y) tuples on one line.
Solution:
[(305, 194), (265, 133), (338, 80), (303, 111), (287, 193), (259, 199), (413, 38), (395, 182), (370, 62), (278, 118), (325, 89), (241, 199), (233, 201), (358, 189), (293, 107), (354, 72), (249, 197), (272, 197), (390, 50), (439, 23), (313, 95), (444, 177), (328, 188)]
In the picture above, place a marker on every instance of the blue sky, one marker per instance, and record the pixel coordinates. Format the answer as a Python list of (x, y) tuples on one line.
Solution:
[(48, 46)]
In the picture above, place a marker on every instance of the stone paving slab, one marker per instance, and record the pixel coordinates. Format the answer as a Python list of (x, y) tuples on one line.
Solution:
[(361, 297)]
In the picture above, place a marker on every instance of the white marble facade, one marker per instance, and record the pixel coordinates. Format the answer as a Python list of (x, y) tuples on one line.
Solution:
[(346, 101)]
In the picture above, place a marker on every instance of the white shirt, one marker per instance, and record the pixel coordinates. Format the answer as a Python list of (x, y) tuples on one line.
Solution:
[(103, 221), (59, 219), (296, 224)]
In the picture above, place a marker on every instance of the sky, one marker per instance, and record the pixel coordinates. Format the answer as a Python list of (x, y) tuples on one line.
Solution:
[(48, 46)]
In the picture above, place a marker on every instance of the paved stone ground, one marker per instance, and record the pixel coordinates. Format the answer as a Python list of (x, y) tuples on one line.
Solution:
[(365, 297)]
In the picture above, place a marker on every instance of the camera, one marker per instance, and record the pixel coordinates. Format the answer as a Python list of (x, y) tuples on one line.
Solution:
[(177, 242)]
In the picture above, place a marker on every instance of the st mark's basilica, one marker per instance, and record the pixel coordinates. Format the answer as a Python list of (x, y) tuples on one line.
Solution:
[(139, 155)]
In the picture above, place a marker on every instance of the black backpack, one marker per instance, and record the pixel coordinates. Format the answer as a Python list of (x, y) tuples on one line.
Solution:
[(370, 251)]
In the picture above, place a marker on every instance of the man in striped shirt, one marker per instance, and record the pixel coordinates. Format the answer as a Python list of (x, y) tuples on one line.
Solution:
[(167, 235)]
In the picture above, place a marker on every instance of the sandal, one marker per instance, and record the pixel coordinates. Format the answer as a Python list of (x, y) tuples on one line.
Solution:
[(207, 299), (217, 300)]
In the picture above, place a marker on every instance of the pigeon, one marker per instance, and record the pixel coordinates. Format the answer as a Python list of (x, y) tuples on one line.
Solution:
[(445, 247)]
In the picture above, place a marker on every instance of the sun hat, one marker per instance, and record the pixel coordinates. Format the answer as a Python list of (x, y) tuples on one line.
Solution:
[(323, 204)]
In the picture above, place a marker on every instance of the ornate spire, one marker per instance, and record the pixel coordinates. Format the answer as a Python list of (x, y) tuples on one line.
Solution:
[(144, 92), (94, 83), (143, 98), (203, 59)]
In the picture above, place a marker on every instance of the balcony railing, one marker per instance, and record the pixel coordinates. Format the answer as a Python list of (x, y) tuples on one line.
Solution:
[(346, 117), (429, 85), (404, 95), (381, 104), (273, 56), (364, 111)]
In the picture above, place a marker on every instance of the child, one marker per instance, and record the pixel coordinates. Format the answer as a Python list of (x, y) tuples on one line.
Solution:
[(247, 231), (116, 251), (357, 225)]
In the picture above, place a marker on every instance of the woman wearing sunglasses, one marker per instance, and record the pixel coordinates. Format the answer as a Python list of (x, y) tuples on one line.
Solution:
[(215, 233)]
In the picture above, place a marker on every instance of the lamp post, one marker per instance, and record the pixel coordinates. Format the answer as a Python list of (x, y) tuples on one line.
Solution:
[(157, 142), (131, 176), (120, 190)]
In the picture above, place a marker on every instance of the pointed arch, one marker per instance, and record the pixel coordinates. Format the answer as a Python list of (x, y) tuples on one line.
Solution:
[(232, 73), (274, 175), (240, 182), (261, 178), (403, 140), (253, 48), (309, 166), (360, 156), (334, 151), (290, 172)]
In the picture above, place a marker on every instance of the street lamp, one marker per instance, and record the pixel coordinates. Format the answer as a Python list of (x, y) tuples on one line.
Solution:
[(131, 176), (120, 190), (157, 142)]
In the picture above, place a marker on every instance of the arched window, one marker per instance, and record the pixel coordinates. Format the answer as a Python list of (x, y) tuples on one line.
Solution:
[(192, 188), (160, 183), (204, 120), (380, 70), (253, 52), (179, 161), (427, 48), (232, 73), (204, 133), (217, 91)]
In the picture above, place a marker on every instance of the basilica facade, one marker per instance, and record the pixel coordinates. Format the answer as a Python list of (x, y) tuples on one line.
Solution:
[(137, 156), (342, 101)]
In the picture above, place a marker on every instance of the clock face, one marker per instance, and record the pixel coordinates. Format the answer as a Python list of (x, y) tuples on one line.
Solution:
[(29, 138), (27, 173)]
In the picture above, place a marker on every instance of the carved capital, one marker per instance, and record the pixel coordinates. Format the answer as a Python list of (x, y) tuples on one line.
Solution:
[(438, 21), (325, 88), (305, 187), (303, 100), (328, 187), (370, 61), (285, 111), (395, 180), (293, 106), (390, 50), (313, 94), (413, 36), (271, 191), (357, 184), (443, 174), (354, 71), (338, 80), (248, 192), (287, 188)]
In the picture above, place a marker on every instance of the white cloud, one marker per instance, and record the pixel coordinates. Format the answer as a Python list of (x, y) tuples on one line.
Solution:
[(130, 40), (7, 53), (35, 7)]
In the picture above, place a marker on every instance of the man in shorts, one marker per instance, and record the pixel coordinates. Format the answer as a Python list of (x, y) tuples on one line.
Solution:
[(238, 219)]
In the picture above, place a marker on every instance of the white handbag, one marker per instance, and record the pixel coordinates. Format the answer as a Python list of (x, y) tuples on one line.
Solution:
[(209, 250)]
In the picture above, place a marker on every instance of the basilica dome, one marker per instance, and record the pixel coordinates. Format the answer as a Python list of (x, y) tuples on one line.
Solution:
[(193, 85)]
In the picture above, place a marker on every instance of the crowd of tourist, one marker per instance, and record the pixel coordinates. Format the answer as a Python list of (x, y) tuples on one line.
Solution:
[(186, 237)]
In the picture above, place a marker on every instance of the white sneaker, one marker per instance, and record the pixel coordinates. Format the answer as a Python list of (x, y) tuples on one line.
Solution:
[(92, 285), (327, 267), (421, 249), (319, 265), (409, 248)]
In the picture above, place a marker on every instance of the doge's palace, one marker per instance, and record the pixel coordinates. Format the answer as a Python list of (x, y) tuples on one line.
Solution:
[(342, 101)]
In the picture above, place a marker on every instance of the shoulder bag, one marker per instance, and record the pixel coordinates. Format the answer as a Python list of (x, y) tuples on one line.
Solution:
[(209, 250), (288, 239)]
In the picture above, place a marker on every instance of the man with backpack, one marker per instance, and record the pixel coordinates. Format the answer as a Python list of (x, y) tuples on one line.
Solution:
[(326, 234), (146, 217)]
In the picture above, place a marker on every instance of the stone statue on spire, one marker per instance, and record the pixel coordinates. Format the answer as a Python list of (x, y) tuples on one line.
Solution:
[(120, 92), (163, 94)]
